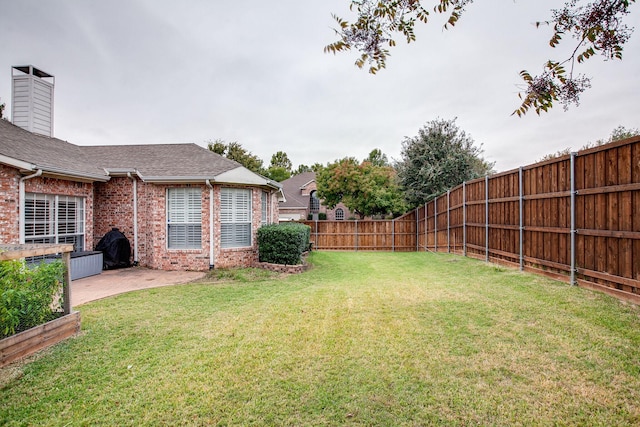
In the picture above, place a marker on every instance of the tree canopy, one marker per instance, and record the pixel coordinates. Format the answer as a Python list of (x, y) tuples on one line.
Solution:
[(440, 157), (363, 187), (595, 26), (617, 134), (279, 167), (237, 152)]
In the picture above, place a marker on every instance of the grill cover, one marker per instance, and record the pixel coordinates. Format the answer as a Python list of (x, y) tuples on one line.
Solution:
[(116, 250)]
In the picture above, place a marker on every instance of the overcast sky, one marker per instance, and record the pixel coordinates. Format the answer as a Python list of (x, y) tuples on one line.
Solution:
[(254, 71)]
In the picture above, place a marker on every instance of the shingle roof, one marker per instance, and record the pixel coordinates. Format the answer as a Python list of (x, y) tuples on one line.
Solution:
[(161, 160), (181, 161), (44, 152), (292, 190)]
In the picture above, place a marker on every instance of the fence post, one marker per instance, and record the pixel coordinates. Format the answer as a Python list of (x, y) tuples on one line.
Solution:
[(317, 246), (393, 235), (486, 218), (66, 283), (448, 221), (464, 218), (573, 218), (435, 224), (521, 208), (356, 242), (418, 229), (426, 227)]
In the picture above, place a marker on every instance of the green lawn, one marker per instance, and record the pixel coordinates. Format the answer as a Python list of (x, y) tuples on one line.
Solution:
[(375, 339)]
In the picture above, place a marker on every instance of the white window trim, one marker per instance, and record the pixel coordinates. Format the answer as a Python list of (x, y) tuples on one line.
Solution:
[(53, 221), (265, 217), (236, 217), (187, 216)]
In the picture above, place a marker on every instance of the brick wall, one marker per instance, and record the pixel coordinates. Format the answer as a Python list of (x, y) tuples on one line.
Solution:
[(114, 208), (9, 205)]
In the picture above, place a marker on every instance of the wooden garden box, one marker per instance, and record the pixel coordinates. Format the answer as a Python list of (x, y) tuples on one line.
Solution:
[(28, 342)]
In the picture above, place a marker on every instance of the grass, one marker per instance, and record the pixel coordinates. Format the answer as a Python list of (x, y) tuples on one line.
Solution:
[(384, 339)]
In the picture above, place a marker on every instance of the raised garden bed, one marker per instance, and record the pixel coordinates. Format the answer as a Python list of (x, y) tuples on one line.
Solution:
[(28, 342)]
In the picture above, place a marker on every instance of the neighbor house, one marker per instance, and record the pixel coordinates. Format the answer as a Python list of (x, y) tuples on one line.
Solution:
[(301, 201), (180, 205)]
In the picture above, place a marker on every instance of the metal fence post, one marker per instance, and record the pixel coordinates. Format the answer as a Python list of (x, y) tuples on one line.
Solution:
[(464, 218), (426, 227), (486, 218), (317, 245), (435, 224), (573, 218), (521, 208), (448, 221)]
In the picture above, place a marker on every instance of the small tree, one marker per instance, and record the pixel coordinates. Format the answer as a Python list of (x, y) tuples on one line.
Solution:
[(280, 167), (439, 158), (616, 135), (235, 151), (364, 188)]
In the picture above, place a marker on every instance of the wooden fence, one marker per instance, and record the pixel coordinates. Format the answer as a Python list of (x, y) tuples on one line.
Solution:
[(368, 235), (575, 218)]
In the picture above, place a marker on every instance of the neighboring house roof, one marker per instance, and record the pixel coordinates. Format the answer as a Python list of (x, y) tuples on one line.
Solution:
[(292, 191), (152, 163)]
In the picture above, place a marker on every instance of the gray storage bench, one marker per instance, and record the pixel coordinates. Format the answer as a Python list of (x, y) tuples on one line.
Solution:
[(85, 264)]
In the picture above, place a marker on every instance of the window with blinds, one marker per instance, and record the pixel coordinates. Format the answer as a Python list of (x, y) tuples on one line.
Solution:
[(49, 218), (184, 218), (235, 217), (265, 209)]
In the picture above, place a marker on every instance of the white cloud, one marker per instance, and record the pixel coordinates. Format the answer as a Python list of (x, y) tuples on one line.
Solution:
[(155, 71)]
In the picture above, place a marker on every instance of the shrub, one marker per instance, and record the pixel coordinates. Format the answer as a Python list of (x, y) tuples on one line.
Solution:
[(28, 295), (322, 216), (283, 243)]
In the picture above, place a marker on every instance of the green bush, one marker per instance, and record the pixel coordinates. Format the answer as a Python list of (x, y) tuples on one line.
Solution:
[(28, 295), (283, 243), (322, 216)]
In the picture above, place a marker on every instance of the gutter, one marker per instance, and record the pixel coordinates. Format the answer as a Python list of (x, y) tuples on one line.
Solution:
[(135, 217), (21, 197), (211, 226)]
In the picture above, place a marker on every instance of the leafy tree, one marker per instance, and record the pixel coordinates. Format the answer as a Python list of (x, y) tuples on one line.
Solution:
[(277, 173), (279, 168), (316, 167), (364, 188), (622, 133), (237, 152), (596, 27), (616, 135), (302, 169), (378, 158), (2, 110), (439, 158), (281, 160)]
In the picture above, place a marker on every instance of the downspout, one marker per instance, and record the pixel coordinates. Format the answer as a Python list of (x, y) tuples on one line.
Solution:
[(21, 197), (211, 253), (135, 218)]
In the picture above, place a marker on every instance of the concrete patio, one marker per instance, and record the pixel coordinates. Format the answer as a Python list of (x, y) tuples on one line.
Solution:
[(114, 282)]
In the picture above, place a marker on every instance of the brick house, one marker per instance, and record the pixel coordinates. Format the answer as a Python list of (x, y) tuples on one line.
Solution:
[(181, 206), (301, 200)]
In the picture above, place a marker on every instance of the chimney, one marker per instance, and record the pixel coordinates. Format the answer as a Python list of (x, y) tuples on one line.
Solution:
[(32, 99)]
